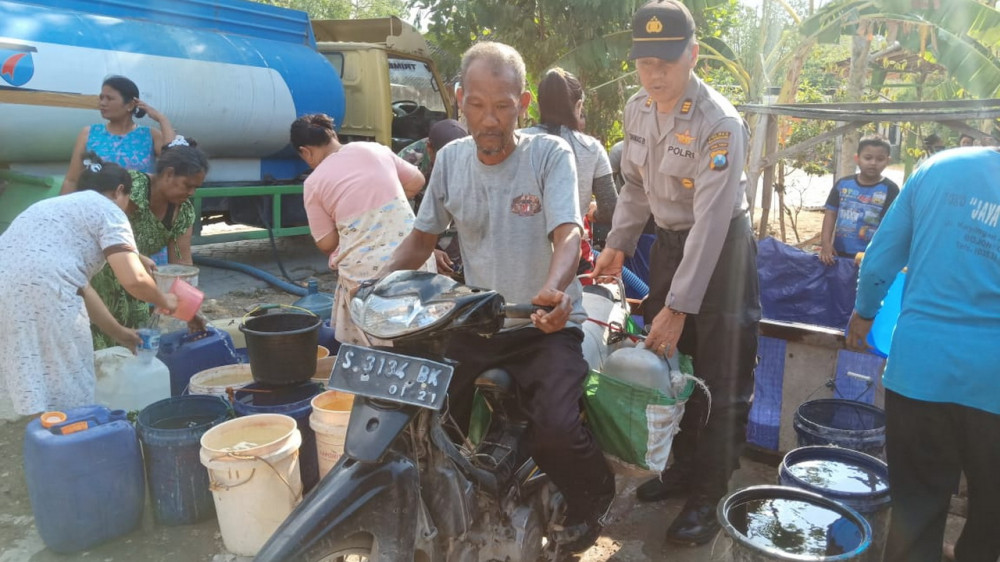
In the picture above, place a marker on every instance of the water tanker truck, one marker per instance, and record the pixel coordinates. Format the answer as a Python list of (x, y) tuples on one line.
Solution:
[(231, 74)]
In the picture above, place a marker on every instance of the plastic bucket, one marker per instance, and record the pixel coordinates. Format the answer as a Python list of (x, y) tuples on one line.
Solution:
[(845, 423), (170, 431), (165, 275), (218, 380), (768, 523), (852, 478), (294, 401), (282, 347), (253, 468), (324, 368), (330, 413)]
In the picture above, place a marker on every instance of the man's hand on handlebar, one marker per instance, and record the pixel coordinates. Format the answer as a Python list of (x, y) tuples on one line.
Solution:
[(555, 319)]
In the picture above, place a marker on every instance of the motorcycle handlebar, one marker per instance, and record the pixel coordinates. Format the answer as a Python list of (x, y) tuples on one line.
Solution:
[(523, 310)]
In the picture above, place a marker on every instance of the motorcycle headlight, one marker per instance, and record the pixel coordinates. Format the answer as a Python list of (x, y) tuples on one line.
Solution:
[(388, 318)]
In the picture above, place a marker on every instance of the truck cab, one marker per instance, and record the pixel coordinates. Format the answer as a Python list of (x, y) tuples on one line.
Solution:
[(393, 93)]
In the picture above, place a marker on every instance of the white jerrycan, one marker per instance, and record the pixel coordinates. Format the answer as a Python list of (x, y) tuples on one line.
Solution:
[(127, 382)]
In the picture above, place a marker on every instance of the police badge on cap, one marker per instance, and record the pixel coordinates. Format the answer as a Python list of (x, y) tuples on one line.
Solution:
[(661, 29)]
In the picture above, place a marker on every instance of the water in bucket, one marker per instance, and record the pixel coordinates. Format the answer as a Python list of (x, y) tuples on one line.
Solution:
[(795, 527), (852, 478), (835, 475), (784, 523)]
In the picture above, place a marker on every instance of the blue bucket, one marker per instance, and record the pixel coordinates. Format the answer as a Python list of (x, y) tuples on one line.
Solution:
[(292, 400), (170, 431), (852, 478), (844, 423), (767, 523)]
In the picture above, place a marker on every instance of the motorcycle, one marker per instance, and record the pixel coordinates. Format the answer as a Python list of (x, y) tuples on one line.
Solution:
[(407, 488)]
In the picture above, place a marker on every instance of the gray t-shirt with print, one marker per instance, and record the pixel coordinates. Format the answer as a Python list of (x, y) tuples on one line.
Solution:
[(505, 214)]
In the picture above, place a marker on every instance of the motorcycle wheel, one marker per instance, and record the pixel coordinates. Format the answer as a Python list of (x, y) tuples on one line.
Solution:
[(357, 548)]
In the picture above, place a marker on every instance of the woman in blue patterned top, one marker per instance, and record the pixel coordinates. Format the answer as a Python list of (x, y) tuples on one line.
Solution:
[(121, 140)]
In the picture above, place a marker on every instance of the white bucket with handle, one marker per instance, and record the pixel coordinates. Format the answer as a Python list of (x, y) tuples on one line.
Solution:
[(253, 470)]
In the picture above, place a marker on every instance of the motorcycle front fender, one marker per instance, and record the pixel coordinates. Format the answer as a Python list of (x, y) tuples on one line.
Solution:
[(378, 499)]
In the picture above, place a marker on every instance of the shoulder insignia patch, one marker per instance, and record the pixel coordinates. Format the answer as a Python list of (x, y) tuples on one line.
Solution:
[(719, 160), (526, 205), (688, 183), (685, 137), (719, 136), (686, 106)]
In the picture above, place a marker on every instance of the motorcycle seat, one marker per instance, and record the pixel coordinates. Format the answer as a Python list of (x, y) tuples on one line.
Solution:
[(497, 381)]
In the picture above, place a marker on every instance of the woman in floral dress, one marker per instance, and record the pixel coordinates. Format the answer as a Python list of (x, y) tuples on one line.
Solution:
[(161, 215)]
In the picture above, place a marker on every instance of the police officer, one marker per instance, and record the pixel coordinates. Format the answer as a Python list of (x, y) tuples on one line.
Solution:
[(682, 162)]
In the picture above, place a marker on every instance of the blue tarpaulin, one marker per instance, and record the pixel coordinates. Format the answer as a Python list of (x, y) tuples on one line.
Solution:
[(796, 287)]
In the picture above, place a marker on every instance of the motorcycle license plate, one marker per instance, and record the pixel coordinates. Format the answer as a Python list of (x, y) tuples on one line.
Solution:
[(390, 376)]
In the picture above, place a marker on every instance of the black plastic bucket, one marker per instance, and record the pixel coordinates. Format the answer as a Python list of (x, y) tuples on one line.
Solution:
[(768, 523), (282, 347), (844, 423), (852, 478)]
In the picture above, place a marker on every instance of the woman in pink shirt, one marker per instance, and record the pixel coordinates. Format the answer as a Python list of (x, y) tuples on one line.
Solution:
[(356, 202)]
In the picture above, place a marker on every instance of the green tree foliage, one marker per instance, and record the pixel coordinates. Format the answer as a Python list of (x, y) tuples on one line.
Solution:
[(590, 38), (343, 9)]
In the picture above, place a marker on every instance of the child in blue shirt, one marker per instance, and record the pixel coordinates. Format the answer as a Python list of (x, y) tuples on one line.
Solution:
[(857, 203)]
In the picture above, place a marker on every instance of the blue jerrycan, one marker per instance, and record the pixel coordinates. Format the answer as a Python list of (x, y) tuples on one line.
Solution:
[(85, 476)]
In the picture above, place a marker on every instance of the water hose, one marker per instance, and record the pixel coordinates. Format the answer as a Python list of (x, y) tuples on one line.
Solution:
[(270, 279)]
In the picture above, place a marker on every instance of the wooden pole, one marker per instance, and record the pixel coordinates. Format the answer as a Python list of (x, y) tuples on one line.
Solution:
[(770, 145), (780, 188)]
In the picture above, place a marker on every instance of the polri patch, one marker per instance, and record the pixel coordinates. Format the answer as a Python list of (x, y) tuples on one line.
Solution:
[(685, 137), (526, 205), (719, 160)]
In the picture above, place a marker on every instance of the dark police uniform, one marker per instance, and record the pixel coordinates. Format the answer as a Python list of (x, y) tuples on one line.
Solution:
[(686, 169)]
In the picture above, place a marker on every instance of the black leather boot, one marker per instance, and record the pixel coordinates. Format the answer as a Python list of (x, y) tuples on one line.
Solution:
[(696, 524)]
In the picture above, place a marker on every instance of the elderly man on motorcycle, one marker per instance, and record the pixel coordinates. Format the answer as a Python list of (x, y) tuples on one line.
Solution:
[(512, 199)]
